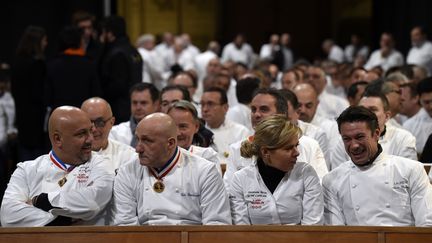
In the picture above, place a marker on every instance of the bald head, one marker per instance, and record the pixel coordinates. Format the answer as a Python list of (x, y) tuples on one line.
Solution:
[(96, 103), (308, 101), (156, 139), (70, 134), (64, 116), (307, 89), (160, 123), (100, 113)]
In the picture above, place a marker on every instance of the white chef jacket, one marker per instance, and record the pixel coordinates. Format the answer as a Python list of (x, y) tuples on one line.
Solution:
[(152, 67), (394, 59), (194, 194), (243, 55), (336, 54), (85, 194), (184, 59), (229, 132), (118, 154), (122, 133), (421, 56), (331, 106), (241, 114), (396, 141), (297, 199), (309, 152), (208, 154), (330, 127), (316, 133), (267, 51), (392, 191), (201, 62), (349, 52), (420, 125), (7, 117)]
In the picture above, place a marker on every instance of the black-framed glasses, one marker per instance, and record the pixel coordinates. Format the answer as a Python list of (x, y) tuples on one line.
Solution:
[(100, 122)]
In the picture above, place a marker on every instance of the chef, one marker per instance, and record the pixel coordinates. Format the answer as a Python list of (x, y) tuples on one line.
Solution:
[(167, 185), (374, 188), (70, 185), (276, 189)]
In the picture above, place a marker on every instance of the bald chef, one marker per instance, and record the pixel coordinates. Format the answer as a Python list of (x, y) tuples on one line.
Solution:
[(168, 185)]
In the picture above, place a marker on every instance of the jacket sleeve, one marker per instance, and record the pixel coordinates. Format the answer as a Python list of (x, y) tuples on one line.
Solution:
[(15, 212), (85, 202), (214, 199), (421, 196), (317, 159), (338, 155), (408, 147), (124, 202), (239, 208), (333, 214), (313, 202)]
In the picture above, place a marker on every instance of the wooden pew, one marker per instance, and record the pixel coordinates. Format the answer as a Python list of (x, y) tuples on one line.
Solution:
[(216, 234)]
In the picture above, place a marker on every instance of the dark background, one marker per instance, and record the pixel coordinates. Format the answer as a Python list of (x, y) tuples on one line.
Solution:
[(308, 21)]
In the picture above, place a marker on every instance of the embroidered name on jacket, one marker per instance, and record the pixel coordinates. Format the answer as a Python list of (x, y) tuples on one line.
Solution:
[(83, 174), (256, 199)]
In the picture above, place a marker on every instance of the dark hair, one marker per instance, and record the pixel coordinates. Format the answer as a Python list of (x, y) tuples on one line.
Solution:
[(382, 97), (353, 88), (82, 15), (245, 89), (30, 42), (281, 102), (374, 88), (222, 93), (115, 24), (290, 97), (190, 75), (182, 89), (138, 87), (69, 37), (358, 114), (424, 86)]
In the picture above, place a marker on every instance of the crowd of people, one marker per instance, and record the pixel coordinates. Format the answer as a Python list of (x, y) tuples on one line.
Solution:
[(110, 133)]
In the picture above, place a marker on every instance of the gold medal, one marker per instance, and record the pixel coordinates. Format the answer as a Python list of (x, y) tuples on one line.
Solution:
[(62, 181), (158, 186)]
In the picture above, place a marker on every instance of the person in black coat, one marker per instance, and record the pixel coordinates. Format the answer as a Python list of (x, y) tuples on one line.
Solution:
[(121, 67), (27, 79), (71, 75)]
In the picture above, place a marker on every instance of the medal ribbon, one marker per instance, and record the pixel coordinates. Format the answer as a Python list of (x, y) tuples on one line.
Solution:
[(60, 164), (167, 169)]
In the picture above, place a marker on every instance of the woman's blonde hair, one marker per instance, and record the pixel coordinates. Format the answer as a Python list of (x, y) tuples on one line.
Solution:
[(273, 132)]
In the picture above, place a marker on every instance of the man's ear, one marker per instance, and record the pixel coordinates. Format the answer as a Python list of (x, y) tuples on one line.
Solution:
[(57, 139), (172, 142), (387, 115)]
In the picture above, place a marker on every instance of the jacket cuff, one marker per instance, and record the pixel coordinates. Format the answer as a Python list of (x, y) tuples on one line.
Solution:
[(42, 202)]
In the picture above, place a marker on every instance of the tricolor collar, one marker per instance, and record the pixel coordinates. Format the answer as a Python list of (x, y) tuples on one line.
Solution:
[(60, 164), (167, 165)]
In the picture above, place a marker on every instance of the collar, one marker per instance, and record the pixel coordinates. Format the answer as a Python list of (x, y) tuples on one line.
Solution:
[(383, 132), (373, 158), (169, 162), (59, 163)]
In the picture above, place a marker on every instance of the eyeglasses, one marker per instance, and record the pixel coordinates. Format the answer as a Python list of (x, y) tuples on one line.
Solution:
[(100, 122)]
